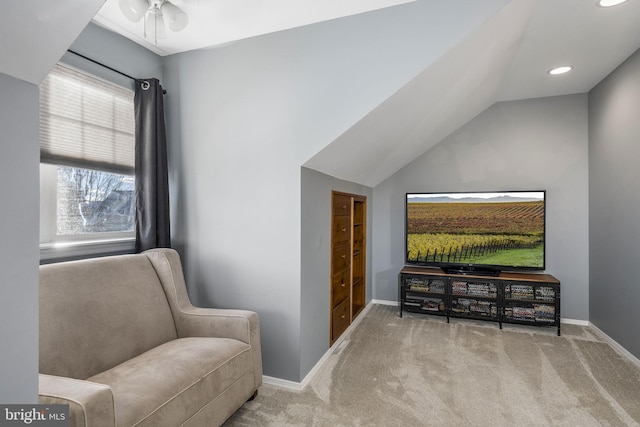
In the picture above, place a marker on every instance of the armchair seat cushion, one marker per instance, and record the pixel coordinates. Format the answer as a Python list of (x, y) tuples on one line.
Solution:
[(144, 387)]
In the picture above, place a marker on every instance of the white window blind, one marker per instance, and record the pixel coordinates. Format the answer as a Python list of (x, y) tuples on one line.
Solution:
[(86, 122)]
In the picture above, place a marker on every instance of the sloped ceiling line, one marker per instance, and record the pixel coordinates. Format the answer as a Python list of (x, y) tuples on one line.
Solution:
[(512, 54), (450, 91)]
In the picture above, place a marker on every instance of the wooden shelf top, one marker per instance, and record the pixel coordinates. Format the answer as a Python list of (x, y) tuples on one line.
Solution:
[(521, 277)]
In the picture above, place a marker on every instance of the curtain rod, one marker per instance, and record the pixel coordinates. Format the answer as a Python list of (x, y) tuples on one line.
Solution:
[(101, 64), (107, 67)]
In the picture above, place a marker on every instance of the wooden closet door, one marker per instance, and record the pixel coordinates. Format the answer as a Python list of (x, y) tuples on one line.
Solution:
[(358, 255), (348, 232), (340, 264)]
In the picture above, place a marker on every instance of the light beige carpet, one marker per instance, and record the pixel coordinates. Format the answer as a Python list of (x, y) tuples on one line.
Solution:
[(421, 371)]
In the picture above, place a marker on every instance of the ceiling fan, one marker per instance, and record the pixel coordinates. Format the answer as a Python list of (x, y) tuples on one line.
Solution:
[(157, 14)]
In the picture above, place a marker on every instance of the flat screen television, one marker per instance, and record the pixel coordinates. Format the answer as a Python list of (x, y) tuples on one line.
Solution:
[(476, 233)]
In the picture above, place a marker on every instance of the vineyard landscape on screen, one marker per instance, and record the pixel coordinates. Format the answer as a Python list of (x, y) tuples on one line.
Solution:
[(505, 229)]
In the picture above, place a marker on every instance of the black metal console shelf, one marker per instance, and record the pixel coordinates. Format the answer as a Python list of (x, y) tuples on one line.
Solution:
[(520, 298)]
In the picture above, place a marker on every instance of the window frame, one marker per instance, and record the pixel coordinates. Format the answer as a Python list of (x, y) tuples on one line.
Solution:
[(54, 247)]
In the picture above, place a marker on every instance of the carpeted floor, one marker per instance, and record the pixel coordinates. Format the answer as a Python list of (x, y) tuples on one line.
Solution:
[(421, 371)]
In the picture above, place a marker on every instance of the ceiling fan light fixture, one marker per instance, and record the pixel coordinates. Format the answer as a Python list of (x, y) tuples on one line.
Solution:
[(176, 18), (134, 10), (155, 12), (154, 28)]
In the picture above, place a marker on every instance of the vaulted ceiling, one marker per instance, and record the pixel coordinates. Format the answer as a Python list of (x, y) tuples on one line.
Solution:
[(504, 54), (505, 58), (216, 22), (35, 34)]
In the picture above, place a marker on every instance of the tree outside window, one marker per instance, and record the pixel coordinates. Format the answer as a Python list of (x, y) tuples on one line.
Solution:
[(91, 201)]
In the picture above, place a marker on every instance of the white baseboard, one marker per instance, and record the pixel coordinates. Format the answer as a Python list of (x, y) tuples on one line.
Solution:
[(613, 343), (299, 386), (384, 302), (279, 382), (335, 345), (574, 322)]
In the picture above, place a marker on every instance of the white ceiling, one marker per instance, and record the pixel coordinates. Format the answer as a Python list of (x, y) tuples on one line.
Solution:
[(578, 32), (216, 22), (593, 39), (449, 92), (506, 57)]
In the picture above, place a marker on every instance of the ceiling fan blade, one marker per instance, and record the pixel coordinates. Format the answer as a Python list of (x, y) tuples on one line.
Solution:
[(176, 18), (134, 10)]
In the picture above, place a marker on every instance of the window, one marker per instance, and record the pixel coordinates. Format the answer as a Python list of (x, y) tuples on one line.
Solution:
[(87, 160)]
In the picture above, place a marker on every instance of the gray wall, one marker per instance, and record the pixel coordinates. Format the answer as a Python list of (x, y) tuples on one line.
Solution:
[(114, 51), (19, 255), (246, 117), (236, 215), (19, 247), (614, 204), (315, 271), (537, 144)]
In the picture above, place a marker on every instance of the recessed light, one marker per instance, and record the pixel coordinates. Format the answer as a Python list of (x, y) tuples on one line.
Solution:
[(560, 70), (609, 3)]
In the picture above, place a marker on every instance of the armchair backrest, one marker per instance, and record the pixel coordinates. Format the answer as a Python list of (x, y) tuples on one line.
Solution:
[(98, 313)]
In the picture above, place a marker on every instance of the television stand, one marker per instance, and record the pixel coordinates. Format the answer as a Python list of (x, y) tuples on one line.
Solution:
[(521, 298), (471, 270)]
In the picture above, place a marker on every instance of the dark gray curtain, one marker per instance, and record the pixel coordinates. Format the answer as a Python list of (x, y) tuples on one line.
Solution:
[(152, 182)]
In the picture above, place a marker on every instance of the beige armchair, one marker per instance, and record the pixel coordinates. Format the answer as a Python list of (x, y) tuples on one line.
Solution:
[(121, 343)]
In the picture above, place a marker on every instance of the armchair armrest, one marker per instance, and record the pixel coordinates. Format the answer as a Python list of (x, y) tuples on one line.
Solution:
[(194, 321), (90, 404)]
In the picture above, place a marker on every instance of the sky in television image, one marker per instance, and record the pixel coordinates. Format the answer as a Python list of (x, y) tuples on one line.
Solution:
[(500, 229), (472, 197)]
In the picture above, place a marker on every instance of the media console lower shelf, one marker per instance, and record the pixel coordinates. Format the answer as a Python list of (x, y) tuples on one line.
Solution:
[(527, 299)]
